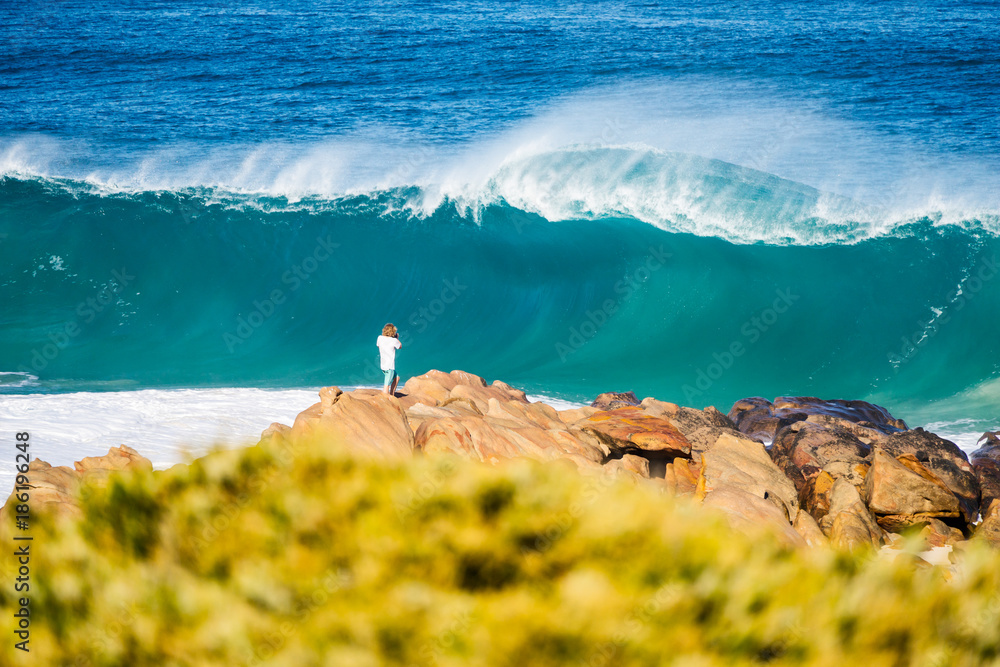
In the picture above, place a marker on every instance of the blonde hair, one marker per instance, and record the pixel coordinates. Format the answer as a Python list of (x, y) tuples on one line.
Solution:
[(389, 330)]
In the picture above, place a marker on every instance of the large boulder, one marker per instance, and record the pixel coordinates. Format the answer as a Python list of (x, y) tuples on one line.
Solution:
[(631, 430), (901, 487), (735, 463), (986, 463), (629, 464), (944, 460)]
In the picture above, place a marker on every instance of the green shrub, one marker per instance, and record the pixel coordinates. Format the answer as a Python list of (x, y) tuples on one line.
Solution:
[(266, 556)]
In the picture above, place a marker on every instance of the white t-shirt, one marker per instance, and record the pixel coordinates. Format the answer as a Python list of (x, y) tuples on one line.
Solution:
[(387, 347)]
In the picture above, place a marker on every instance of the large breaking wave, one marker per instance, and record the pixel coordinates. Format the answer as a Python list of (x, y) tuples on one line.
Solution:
[(570, 271)]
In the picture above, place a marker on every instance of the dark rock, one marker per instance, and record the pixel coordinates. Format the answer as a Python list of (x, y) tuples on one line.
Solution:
[(759, 418), (805, 448), (614, 399)]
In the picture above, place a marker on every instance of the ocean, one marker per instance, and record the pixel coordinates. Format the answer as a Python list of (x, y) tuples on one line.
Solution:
[(695, 201)]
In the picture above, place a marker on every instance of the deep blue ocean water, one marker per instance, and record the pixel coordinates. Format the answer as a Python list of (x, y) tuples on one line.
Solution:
[(697, 201)]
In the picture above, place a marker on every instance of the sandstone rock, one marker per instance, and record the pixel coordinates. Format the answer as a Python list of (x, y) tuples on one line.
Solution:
[(329, 395), (631, 430), (574, 415), (986, 463), (275, 430), (944, 460), (702, 428), (748, 512), (469, 379), (685, 473), (465, 407), (490, 442), (52, 489), (530, 414), (745, 465), (894, 488), (431, 388), (117, 458), (612, 399), (515, 394), (806, 526), (304, 420), (481, 395), (366, 422), (848, 523), (630, 463)]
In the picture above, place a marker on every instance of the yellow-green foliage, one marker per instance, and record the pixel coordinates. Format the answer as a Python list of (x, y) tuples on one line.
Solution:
[(266, 556)]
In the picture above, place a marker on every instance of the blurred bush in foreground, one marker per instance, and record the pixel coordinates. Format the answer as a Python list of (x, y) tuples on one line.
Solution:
[(267, 556)]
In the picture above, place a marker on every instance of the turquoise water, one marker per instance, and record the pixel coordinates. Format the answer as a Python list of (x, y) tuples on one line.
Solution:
[(697, 203)]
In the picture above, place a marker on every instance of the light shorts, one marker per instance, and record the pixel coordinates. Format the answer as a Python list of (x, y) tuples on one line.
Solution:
[(390, 375)]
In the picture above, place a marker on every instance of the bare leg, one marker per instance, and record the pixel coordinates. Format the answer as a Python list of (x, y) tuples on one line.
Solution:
[(395, 381)]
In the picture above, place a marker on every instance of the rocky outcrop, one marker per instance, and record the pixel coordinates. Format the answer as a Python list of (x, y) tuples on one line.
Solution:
[(840, 472), (55, 489)]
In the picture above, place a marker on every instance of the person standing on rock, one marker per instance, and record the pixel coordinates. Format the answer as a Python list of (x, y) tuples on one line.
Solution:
[(388, 343)]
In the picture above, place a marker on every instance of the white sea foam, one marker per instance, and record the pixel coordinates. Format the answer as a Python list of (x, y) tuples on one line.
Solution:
[(166, 426)]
